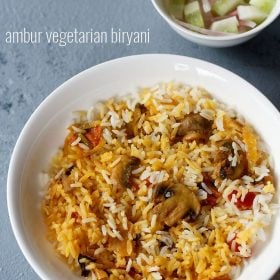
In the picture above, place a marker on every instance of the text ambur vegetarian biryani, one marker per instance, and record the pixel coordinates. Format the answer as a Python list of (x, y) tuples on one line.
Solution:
[(165, 184)]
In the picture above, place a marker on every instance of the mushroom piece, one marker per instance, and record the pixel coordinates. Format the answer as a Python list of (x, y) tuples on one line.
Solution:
[(224, 167), (132, 126), (121, 173), (83, 261), (194, 127), (174, 202)]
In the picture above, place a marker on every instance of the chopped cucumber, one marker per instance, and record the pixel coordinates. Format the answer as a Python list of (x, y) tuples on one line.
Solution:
[(193, 14), (228, 25), (222, 7), (176, 8), (264, 5), (251, 13)]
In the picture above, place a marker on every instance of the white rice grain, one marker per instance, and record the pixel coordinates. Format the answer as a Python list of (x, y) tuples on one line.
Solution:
[(116, 121), (126, 116), (115, 162), (156, 275), (157, 177), (144, 258), (107, 136), (130, 194), (153, 220), (150, 193), (77, 129), (99, 251), (104, 230), (149, 244), (145, 174), (59, 174), (153, 268), (88, 220), (111, 222), (128, 265), (208, 114), (76, 185), (175, 125), (207, 169), (118, 235), (261, 172), (76, 142), (124, 223), (106, 177), (204, 186), (138, 170), (144, 198), (83, 146), (220, 120), (202, 194)]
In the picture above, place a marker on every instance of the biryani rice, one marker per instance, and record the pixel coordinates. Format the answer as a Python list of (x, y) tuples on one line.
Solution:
[(85, 216)]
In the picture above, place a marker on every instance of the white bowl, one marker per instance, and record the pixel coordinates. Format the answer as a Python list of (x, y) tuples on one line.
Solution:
[(215, 41), (46, 129)]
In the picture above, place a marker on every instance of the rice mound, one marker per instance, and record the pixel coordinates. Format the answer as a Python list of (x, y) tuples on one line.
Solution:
[(107, 234)]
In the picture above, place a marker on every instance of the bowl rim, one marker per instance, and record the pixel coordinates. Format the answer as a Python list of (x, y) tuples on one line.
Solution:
[(271, 17), (15, 218)]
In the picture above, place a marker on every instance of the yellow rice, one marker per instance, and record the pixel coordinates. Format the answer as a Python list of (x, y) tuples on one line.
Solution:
[(85, 217)]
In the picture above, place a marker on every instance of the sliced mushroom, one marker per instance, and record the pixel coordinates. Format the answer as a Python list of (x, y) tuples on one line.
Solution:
[(132, 126), (83, 261), (121, 173), (224, 168), (194, 127), (174, 202)]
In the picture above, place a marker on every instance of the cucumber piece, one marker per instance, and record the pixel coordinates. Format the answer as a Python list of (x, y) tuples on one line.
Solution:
[(223, 7), (251, 13), (265, 5), (228, 25), (176, 8), (193, 14)]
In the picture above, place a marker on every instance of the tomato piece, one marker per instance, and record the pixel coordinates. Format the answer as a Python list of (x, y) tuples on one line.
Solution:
[(94, 135), (247, 203)]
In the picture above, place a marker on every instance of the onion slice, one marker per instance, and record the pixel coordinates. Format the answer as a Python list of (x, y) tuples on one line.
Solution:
[(247, 23), (206, 6), (199, 29)]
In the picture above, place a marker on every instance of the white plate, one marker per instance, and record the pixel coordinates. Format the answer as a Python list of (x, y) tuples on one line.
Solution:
[(46, 129)]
